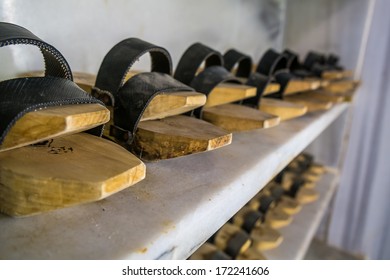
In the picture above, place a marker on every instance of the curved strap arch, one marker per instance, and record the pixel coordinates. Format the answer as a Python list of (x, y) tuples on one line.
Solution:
[(251, 220), (233, 57), (193, 58), (234, 245), (119, 60), (271, 62), (292, 60), (55, 63), (313, 58), (208, 79)]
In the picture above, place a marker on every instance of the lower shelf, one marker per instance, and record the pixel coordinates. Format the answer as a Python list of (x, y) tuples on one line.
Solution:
[(299, 234), (179, 205)]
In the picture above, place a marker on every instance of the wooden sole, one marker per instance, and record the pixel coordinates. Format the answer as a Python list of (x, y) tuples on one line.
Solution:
[(306, 195), (276, 218), (177, 136), (336, 74), (251, 254), (228, 92), (234, 117), (295, 86), (283, 109), (172, 104), (64, 172), (321, 95), (265, 238), (269, 89), (226, 233), (53, 122), (312, 104), (289, 205)]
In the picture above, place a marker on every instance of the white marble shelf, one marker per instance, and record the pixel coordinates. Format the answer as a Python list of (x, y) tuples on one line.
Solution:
[(299, 234), (174, 210)]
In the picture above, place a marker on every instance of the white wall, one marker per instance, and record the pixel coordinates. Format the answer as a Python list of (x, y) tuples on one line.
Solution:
[(85, 30)]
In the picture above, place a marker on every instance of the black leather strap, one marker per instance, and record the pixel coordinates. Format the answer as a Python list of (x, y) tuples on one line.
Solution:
[(208, 79), (131, 98), (318, 63), (275, 64), (22, 95), (271, 62), (212, 75), (295, 66), (266, 202), (277, 192), (119, 60), (251, 219), (259, 81), (235, 244), (295, 187), (55, 63), (192, 59), (243, 61)]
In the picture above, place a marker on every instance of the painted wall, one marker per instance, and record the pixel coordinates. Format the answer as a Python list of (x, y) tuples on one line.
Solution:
[(85, 30)]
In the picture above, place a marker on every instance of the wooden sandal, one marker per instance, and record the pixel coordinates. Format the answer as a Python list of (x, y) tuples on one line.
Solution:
[(265, 85), (221, 89), (71, 168), (146, 107), (236, 243), (280, 65), (252, 221), (274, 216)]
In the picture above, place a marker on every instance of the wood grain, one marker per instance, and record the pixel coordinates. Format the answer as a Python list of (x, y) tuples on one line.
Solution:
[(177, 136), (321, 95), (67, 171), (299, 85), (226, 93), (53, 122), (265, 238), (234, 117), (173, 103), (312, 104), (336, 74), (283, 109)]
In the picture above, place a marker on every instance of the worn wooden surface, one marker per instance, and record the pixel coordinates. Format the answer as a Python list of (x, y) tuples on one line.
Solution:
[(64, 172), (234, 117), (298, 235), (276, 218), (321, 95), (265, 238), (226, 93), (337, 74), (311, 103), (283, 109), (53, 122), (172, 104), (177, 136), (299, 85)]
